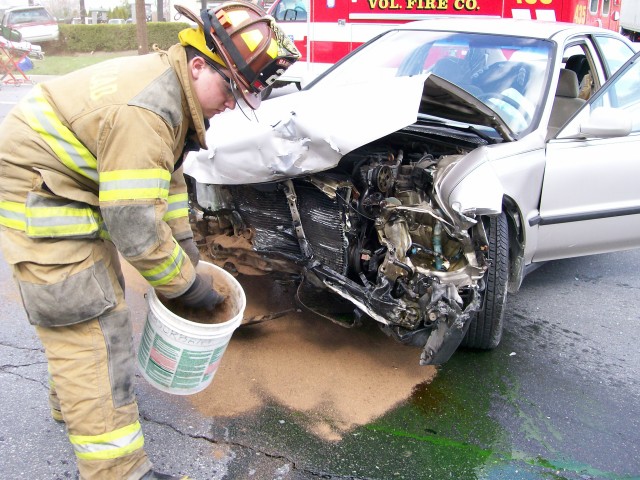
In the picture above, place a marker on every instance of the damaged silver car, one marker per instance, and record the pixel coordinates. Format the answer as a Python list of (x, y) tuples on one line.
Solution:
[(418, 180)]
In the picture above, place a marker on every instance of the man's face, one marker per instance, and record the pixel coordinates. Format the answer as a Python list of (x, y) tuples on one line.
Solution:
[(212, 90)]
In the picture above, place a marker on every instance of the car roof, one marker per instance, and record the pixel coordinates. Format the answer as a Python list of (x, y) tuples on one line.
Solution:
[(506, 26), (31, 7)]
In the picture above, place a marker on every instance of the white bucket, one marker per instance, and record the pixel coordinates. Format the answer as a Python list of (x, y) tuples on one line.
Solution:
[(179, 356)]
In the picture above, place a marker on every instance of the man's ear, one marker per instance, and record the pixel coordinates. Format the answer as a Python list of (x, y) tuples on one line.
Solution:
[(197, 65)]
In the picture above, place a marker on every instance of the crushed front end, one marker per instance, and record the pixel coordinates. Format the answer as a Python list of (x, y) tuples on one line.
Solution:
[(369, 234)]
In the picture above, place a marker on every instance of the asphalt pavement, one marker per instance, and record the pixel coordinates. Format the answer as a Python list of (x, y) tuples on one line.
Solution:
[(33, 446)]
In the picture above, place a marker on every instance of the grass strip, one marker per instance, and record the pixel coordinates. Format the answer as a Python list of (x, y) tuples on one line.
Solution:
[(62, 64)]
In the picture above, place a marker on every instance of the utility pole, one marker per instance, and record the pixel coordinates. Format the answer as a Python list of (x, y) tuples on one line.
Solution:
[(83, 12), (141, 27)]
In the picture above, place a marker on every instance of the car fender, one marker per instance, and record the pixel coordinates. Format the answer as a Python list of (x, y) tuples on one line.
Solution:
[(469, 186)]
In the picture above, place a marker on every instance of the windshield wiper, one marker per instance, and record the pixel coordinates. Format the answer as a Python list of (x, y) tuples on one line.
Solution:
[(483, 136), (462, 127)]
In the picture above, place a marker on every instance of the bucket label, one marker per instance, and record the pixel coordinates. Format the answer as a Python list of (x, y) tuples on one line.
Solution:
[(179, 356), (170, 366), (193, 367), (176, 337)]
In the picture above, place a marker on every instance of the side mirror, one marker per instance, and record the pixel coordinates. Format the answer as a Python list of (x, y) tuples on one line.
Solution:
[(290, 15), (605, 122)]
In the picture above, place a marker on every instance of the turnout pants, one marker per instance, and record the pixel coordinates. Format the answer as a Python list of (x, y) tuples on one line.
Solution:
[(91, 360)]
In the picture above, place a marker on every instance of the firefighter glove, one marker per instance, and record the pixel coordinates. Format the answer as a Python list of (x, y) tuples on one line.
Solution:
[(191, 249), (201, 295)]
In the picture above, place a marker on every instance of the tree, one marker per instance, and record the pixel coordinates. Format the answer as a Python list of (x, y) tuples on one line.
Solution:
[(63, 10), (123, 11)]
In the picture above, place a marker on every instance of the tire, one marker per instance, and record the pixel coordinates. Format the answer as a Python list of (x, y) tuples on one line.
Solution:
[(485, 330)]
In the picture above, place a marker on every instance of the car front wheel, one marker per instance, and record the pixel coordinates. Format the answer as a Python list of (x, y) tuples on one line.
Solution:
[(485, 330)]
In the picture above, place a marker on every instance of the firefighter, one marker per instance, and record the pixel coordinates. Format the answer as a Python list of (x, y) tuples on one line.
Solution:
[(90, 173)]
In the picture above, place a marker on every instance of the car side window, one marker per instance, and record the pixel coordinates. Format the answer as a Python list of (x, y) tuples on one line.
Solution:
[(623, 93), (614, 53), (292, 11), (577, 59)]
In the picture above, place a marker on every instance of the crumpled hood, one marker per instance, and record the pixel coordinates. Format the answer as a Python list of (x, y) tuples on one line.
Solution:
[(309, 131), (443, 99)]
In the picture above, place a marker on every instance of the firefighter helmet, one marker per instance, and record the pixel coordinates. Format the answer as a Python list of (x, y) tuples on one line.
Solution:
[(240, 36)]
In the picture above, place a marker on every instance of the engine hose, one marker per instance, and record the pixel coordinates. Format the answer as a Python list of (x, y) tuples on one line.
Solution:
[(437, 244), (416, 246), (404, 266)]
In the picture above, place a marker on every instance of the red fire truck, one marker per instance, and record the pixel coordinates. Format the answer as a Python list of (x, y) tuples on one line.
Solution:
[(326, 30)]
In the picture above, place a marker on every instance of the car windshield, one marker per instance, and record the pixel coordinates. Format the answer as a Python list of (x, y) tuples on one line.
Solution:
[(29, 16), (509, 74)]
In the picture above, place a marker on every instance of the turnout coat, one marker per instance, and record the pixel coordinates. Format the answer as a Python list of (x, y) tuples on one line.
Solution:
[(93, 157)]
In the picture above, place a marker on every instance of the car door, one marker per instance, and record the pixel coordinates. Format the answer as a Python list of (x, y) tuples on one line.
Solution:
[(590, 199)]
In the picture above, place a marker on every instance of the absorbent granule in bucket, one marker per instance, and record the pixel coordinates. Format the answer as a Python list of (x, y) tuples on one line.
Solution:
[(222, 313)]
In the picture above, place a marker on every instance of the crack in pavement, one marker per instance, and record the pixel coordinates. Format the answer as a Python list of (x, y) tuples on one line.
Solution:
[(30, 349), (229, 443), (6, 369)]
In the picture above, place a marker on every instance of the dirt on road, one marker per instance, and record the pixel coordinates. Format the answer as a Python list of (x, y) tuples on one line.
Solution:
[(338, 378)]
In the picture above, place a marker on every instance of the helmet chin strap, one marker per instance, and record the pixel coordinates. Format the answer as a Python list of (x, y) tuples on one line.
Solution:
[(239, 102)]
